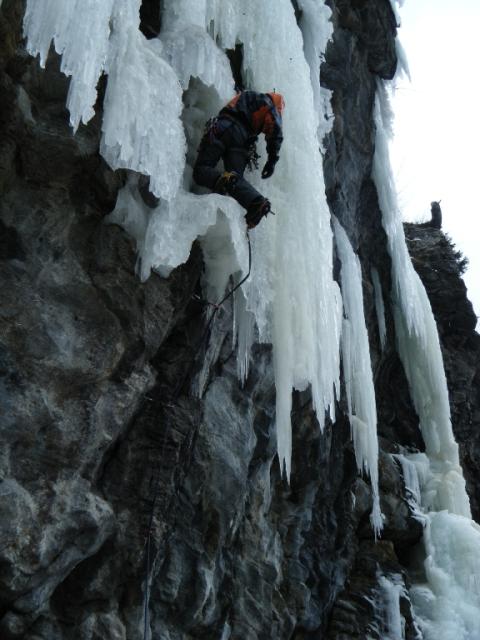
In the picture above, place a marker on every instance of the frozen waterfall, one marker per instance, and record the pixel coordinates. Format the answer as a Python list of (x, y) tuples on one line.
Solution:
[(159, 94)]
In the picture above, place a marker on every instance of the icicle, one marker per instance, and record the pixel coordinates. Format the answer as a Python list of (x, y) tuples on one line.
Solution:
[(448, 605), (357, 369), (416, 330)]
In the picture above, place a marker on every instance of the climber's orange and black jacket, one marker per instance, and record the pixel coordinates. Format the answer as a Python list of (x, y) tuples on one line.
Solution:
[(260, 113)]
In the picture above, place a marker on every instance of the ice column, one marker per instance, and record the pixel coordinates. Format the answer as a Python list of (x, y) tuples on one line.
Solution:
[(448, 603), (417, 335), (362, 409)]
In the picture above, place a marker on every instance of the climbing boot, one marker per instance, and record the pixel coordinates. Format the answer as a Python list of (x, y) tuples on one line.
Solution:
[(256, 211), (147, 196), (226, 183)]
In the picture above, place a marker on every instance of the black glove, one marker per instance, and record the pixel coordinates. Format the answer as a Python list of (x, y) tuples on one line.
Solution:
[(269, 167)]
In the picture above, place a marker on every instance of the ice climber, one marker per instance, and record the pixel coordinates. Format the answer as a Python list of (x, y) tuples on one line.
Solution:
[(232, 136)]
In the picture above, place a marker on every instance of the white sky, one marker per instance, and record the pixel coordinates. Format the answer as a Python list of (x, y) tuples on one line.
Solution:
[(436, 150)]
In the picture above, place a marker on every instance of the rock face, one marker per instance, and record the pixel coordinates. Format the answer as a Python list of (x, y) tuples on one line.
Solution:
[(103, 439)]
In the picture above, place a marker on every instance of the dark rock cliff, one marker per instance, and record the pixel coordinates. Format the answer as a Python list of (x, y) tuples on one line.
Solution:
[(100, 429)]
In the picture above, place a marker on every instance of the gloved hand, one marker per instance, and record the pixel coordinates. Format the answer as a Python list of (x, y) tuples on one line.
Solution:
[(269, 167)]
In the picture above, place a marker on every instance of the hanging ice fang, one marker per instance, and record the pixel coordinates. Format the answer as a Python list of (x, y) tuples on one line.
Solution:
[(80, 30)]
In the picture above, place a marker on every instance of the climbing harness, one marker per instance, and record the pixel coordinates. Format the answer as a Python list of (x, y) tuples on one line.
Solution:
[(149, 535)]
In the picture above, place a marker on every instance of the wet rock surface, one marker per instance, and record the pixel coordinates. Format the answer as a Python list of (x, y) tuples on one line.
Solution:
[(102, 437)]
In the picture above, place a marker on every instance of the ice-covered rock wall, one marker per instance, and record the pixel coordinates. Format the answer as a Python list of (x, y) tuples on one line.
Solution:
[(101, 428)]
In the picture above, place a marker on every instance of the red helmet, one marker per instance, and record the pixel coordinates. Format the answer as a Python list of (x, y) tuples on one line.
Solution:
[(278, 101)]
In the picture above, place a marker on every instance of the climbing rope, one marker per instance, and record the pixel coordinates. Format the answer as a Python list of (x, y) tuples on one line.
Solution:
[(148, 541)]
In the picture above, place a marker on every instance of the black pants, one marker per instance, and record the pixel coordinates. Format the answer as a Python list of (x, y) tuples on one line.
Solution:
[(230, 142)]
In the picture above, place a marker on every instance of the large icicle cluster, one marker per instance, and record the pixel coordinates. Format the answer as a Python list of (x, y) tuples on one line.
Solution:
[(291, 297), (448, 604), (82, 42), (143, 102)]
